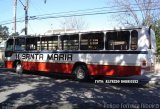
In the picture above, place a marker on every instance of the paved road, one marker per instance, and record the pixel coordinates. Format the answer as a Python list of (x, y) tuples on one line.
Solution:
[(59, 92)]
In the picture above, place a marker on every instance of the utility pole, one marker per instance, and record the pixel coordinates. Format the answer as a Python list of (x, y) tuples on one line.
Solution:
[(26, 17), (45, 1), (15, 15)]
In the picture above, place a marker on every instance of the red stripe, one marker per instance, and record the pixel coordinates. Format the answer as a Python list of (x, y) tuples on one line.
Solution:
[(112, 70), (9, 64), (93, 69), (48, 67), (107, 70)]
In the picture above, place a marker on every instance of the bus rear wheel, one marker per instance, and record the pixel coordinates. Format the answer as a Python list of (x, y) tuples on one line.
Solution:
[(81, 73), (18, 68)]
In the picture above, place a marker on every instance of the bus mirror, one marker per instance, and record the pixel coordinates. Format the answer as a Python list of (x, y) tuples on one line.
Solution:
[(149, 32)]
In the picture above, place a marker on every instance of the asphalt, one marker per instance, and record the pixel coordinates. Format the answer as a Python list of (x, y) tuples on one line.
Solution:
[(35, 91)]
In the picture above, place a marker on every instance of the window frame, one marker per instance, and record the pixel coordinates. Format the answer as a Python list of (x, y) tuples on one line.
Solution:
[(22, 43), (71, 40), (13, 43), (89, 40), (137, 36), (34, 44), (117, 37)]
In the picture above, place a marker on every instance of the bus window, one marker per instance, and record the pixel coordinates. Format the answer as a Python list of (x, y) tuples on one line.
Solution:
[(44, 43), (92, 41), (20, 44), (9, 46), (53, 44), (134, 40), (69, 42), (31, 43), (49, 43), (117, 40), (38, 44)]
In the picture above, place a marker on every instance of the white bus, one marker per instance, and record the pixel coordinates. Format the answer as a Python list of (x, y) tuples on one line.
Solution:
[(118, 52)]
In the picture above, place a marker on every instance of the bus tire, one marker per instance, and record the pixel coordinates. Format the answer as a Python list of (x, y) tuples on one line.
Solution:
[(18, 68), (81, 73)]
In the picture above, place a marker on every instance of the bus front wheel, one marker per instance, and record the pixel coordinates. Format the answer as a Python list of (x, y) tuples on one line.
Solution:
[(18, 68), (81, 73)]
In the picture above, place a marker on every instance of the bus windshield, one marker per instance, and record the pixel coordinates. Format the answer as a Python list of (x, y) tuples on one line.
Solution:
[(19, 44), (9, 46)]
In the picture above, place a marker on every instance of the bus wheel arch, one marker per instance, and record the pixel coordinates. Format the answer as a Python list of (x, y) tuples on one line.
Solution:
[(18, 66), (80, 71)]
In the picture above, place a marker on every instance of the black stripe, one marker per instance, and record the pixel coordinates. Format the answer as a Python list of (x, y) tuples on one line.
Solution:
[(88, 52)]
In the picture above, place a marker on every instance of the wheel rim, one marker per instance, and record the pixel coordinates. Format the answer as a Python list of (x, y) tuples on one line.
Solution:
[(19, 68), (80, 74)]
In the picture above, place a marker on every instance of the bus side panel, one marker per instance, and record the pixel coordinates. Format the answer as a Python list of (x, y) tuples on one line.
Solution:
[(48, 67), (9, 64), (111, 70), (105, 70)]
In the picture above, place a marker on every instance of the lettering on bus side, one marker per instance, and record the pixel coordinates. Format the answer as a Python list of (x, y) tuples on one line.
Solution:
[(56, 57), (29, 56), (59, 57)]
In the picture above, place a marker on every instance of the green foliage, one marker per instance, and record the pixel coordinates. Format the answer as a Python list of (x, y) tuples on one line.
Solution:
[(156, 28), (4, 33), (158, 43), (15, 34)]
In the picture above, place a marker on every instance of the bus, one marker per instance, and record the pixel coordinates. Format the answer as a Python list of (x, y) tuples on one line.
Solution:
[(120, 52)]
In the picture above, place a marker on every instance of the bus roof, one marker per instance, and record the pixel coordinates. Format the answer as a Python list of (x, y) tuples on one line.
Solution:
[(84, 32)]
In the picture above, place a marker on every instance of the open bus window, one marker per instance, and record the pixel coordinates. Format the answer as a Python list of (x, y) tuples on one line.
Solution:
[(20, 44), (31, 43), (49, 43), (117, 40), (9, 46), (92, 41), (69, 42), (134, 40)]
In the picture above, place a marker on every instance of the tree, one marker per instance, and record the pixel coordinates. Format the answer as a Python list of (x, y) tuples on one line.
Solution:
[(158, 42), (15, 34), (138, 12), (75, 23), (3, 32), (141, 12), (156, 28)]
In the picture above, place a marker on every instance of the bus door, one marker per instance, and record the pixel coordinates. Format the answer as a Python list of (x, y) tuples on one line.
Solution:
[(8, 53), (9, 48), (152, 49)]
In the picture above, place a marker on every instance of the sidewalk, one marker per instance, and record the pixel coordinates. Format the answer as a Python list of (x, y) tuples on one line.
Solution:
[(153, 78), (156, 76)]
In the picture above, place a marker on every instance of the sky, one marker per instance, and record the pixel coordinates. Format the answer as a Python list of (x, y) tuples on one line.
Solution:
[(38, 7)]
